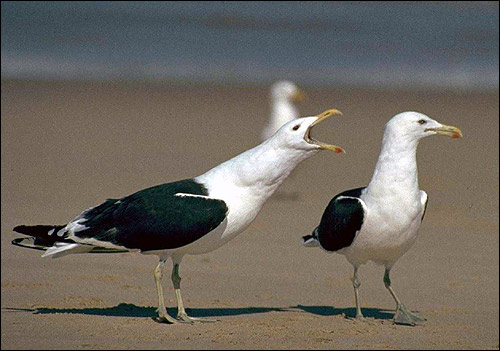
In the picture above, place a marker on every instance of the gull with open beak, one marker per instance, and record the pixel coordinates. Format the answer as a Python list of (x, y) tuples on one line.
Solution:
[(380, 222), (187, 217)]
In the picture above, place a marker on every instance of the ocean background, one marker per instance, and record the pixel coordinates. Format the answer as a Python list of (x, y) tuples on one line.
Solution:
[(445, 45)]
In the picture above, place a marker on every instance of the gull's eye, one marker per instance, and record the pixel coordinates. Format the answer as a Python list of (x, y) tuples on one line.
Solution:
[(295, 127), (422, 121)]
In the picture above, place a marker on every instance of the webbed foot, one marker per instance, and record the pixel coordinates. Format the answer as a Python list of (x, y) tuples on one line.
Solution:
[(405, 317), (184, 318)]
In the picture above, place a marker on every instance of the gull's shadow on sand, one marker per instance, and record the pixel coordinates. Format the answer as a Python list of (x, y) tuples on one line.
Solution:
[(131, 310), (376, 313)]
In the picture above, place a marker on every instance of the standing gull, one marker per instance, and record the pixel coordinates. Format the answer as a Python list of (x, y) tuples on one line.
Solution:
[(191, 216), (380, 222), (283, 96)]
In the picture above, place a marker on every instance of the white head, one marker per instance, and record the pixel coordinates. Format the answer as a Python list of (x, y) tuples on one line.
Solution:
[(286, 90), (415, 126), (296, 134)]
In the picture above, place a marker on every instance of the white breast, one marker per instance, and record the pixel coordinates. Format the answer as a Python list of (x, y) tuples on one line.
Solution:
[(389, 230)]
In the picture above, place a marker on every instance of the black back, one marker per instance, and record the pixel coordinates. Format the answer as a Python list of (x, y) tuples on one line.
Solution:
[(341, 220), (154, 219)]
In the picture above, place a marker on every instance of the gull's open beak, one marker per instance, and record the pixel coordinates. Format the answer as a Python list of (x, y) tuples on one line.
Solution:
[(299, 96), (450, 131), (322, 117)]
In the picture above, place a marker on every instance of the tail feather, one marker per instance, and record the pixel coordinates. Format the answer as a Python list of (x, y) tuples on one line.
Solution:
[(310, 240), (63, 249), (38, 230), (44, 235), (55, 243)]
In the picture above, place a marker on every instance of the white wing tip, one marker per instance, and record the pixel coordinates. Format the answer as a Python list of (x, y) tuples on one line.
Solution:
[(309, 241)]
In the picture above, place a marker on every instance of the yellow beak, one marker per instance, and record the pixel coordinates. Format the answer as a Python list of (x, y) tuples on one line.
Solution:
[(321, 117), (450, 131)]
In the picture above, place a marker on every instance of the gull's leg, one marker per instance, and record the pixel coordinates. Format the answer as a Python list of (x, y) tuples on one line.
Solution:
[(402, 315), (181, 312), (356, 284), (163, 316)]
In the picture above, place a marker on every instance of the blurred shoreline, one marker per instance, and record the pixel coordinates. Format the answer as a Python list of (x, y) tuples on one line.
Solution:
[(188, 83), (435, 45)]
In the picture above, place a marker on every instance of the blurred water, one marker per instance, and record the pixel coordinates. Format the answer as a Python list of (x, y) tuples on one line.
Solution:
[(416, 44)]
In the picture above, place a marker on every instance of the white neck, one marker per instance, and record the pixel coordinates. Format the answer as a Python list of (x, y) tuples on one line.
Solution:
[(396, 169), (257, 172)]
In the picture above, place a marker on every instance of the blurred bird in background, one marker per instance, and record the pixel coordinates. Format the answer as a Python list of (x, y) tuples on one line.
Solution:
[(284, 95)]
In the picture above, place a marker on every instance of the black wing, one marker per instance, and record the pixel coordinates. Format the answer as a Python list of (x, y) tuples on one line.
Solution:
[(154, 218), (341, 220)]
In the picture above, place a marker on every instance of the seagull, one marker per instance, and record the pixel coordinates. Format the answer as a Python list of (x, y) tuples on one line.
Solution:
[(283, 95), (186, 217), (380, 222)]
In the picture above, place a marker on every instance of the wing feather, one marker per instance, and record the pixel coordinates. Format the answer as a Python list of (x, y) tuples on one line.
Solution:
[(341, 220), (152, 219)]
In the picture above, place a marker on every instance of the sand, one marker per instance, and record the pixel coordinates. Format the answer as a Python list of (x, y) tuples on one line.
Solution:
[(68, 146)]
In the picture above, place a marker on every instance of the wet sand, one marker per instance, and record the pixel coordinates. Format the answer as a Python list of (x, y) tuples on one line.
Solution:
[(68, 146)]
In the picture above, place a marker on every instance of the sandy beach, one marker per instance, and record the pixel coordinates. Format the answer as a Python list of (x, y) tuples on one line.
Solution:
[(69, 146)]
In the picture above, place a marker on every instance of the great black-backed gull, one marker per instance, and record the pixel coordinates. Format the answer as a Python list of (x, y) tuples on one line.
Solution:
[(283, 96), (380, 222), (191, 216)]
